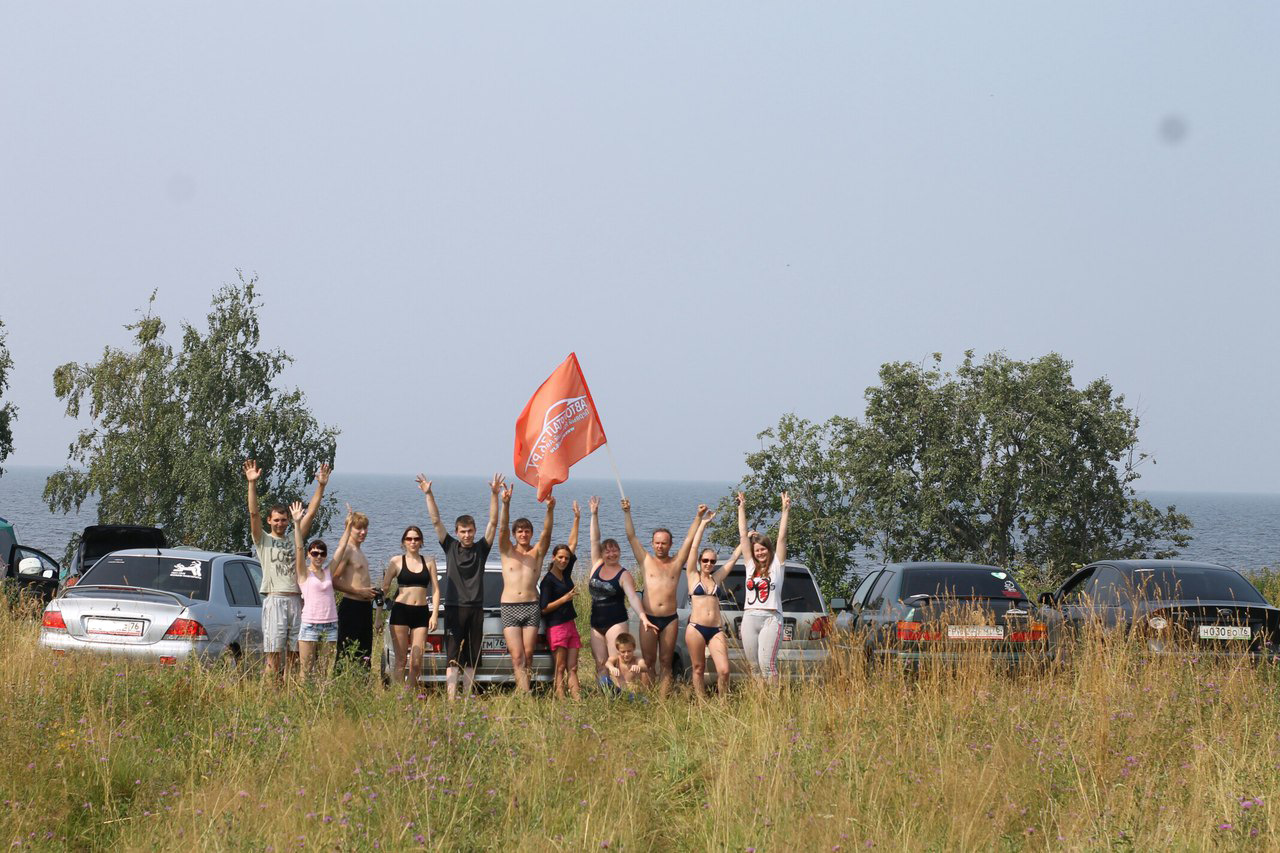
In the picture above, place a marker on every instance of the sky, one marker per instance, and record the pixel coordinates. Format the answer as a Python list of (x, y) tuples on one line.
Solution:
[(729, 211)]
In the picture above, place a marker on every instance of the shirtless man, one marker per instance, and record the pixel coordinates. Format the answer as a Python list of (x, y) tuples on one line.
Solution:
[(521, 566), (281, 596), (355, 611), (464, 585), (661, 574)]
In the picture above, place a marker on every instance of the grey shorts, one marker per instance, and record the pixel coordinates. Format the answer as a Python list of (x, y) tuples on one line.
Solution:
[(281, 622), (522, 615)]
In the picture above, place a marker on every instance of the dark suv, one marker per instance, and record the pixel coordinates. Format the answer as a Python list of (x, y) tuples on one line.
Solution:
[(910, 613)]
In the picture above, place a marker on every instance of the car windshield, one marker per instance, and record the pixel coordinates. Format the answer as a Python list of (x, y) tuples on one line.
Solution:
[(960, 583), (182, 575), (799, 592), (1189, 584)]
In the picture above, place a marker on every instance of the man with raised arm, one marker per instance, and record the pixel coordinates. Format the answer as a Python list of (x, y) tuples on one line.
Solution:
[(355, 611), (282, 598), (661, 573), (464, 585), (521, 566)]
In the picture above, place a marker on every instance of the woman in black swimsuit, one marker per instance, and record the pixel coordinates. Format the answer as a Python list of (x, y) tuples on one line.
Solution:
[(413, 615), (706, 625), (611, 586)]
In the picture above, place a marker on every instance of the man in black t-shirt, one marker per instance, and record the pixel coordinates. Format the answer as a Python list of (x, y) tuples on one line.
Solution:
[(465, 557)]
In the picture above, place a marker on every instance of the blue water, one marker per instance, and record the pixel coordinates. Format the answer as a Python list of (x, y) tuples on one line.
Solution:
[(1237, 530)]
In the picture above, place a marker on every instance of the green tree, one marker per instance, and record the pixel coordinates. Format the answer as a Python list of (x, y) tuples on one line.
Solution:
[(171, 429), (1004, 462), (7, 410)]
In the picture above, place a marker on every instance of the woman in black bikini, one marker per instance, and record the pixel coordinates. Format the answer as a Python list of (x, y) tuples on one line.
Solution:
[(412, 617), (706, 626), (611, 586)]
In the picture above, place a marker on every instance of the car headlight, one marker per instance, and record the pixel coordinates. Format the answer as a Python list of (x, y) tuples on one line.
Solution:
[(1157, 623)]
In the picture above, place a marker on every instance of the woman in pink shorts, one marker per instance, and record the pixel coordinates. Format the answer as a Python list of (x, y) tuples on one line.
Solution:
[(555, 596)]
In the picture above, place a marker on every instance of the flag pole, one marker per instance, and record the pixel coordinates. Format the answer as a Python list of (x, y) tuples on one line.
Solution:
[(616, 475)]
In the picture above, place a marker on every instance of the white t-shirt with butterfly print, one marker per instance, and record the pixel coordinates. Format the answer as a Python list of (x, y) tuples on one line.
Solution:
[(764, 592)]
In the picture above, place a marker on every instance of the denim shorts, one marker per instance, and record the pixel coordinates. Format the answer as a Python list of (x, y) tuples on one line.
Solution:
[(314, 632)]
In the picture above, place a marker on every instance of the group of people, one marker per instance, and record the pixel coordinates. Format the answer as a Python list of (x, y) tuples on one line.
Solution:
[(300, 608)]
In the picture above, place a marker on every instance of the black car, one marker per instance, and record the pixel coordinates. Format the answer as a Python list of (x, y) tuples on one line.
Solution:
[(910, 613), (98, 540), (1171, 604)]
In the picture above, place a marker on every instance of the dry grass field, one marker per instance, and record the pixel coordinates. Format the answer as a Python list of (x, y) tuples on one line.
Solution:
[(1115, 750)]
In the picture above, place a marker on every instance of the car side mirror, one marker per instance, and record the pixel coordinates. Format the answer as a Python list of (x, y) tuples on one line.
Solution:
[(1048, 599), (838, 604)]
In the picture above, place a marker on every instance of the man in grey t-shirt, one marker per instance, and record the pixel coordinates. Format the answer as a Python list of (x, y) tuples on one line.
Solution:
[(282, 599)]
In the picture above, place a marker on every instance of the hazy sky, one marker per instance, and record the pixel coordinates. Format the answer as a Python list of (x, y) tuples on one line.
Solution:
[(728, 210)]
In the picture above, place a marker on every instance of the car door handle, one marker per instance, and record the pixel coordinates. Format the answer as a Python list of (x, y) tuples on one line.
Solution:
[(239, 615)]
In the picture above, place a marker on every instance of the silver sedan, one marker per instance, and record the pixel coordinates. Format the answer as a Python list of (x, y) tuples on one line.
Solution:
[(165, 605)]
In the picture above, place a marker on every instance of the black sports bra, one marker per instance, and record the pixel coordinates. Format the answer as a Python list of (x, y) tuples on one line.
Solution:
[(406, 578)]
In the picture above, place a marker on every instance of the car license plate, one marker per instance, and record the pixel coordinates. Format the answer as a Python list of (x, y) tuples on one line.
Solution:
[(788, 632), (113, 627), (493, 644), (1226, 632), (975, 632)]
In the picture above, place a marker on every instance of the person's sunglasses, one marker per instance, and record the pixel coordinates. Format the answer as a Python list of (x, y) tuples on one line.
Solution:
[(413, 538), (317, 553), (707, 560)]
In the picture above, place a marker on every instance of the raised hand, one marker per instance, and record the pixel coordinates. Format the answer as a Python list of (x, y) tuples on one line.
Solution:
[(506, 495), (424, 484), (551, 502), (576, 511), (594, 504), (251, 470), (786, 501), (351, 516), (702, 510), (322, 476), (742, 498), (626, 505), (495, 485), (296, 510), (706, 519)]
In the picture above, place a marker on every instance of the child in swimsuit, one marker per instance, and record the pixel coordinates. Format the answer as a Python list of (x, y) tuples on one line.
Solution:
[(627, 670), (705, 634)]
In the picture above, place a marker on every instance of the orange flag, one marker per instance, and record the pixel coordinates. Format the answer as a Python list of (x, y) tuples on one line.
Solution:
[(558, 427)]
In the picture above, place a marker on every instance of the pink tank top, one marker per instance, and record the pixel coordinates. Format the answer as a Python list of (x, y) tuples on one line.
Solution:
[(318, 606)]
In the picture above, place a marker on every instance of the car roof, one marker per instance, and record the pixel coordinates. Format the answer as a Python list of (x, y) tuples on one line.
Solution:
[(1135, 565), (176, 553), (944, 565)]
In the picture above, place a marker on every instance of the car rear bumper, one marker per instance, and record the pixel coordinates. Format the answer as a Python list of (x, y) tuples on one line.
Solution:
[(494, 669), (916, 658), (180, 650)]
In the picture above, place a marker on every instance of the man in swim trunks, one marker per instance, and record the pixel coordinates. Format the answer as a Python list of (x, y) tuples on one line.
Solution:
[(464, 585), (521, 566), (661, 573), (355, 611)]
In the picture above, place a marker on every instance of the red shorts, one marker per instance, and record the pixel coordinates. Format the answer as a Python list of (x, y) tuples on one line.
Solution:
[(564, 636)]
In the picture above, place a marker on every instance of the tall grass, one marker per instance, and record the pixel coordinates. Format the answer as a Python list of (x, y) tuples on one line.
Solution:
[(1112, 750)]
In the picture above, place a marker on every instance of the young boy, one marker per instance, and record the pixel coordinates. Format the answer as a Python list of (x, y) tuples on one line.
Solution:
[(627, 670)]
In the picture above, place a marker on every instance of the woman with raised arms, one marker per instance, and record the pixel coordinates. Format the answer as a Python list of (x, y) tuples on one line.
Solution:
[(761, 629), (315, 579), (706, 625), (611, 586), (412, 617)]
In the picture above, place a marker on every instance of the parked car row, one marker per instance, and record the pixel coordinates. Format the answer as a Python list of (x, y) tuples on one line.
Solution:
[(173, 604), (909, 613)]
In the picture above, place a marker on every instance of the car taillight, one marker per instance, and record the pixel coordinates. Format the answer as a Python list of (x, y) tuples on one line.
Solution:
[(1034, 633), (914, 632), (541, 645), (818, 630), (73, 580), (188, 629), (435, 644), (53, 620)]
